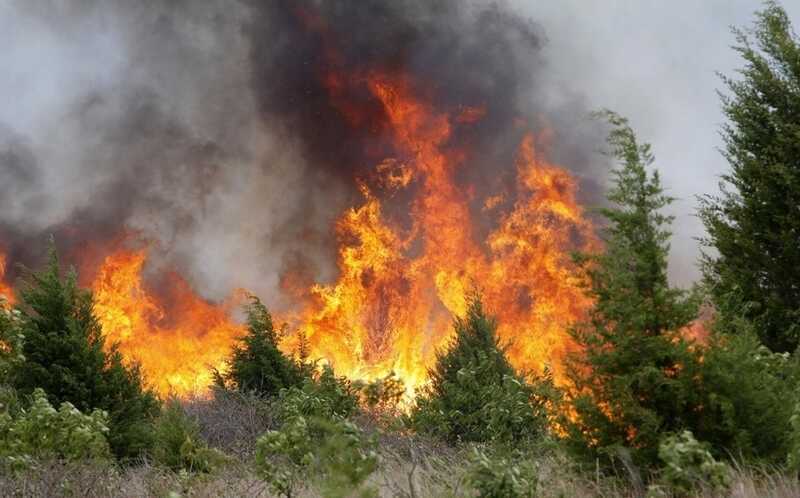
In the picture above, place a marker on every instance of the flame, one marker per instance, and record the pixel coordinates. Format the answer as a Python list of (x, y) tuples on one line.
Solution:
[(5, 289), (392, 305), (177, 353)]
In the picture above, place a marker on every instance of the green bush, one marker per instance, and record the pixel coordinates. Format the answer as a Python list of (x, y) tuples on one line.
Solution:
[(688, 466), (749, 396), (177, 442), (475, 395), (64, 353), (41, 431), (322, 395), (332, 453), (11, 340), (256, 364), (793, 456), (383, 395), (501, 477)]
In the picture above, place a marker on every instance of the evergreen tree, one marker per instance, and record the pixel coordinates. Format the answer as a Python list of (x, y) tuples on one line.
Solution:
[(64, 353), (474, 393), (256, 363), (634, 376), (753, 227)]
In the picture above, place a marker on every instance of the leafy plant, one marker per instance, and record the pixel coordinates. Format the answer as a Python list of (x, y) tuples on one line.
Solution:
[(177, 442), (41, 431), (749, 395), (501, 477), (384, 394), (332, 452), (322, 395), (11, 340), (688, 465)]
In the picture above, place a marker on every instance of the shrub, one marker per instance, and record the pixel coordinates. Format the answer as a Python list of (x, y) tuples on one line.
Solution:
[(11, 340), (65, 354), (749, 397), (501, 477), (322, 395), (474, 394), (256, 363), (383, 395), (41, 431), (177, 442), (689, 465), (332, 452), (793, 456)]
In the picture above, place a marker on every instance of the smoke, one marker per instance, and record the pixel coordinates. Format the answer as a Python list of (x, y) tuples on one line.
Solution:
[(208, 128)]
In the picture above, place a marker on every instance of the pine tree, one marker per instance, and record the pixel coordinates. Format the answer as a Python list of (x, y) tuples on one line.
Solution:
[(753, 268), (65, 354), (256, 363), (474, 393), (633, 378)]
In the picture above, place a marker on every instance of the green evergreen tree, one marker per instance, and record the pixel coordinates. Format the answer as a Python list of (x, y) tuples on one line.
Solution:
[(474, 393), (753, 268), (64, 354), (256, 363), (634, 376)]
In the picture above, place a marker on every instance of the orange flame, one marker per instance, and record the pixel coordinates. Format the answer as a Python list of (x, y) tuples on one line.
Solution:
[(5, 289), (392, 305), (177, 353)]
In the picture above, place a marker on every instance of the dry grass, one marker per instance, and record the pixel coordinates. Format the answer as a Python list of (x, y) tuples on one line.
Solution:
[(426, 477), (411, 467)]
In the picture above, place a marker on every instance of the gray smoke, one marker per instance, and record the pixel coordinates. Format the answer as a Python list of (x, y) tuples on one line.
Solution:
[(204, 127)]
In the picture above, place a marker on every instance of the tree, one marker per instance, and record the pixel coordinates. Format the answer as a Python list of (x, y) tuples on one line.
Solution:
[(753, 268), (634, 377), (474, 393), (256, 363), (64, 354)]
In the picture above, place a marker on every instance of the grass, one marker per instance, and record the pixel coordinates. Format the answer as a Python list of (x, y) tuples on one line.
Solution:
[(411, 467)]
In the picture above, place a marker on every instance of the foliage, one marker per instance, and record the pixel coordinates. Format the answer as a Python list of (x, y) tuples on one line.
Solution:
[(256, 363), (474, 394), (502, 477), (793, 456), (748, 396), (65, 354), (332, 451), (178, 445), (322, 395), (384, 394), (41, 431), (688, 465), (634, 377), (11, 340), (753, 269)]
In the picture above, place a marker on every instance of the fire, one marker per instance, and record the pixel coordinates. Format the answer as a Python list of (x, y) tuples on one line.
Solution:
[(176, 345), (392, 305), (5, 289)]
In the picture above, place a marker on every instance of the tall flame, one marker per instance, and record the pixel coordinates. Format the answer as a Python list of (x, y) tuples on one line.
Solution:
[(177, 347), (392, 305)]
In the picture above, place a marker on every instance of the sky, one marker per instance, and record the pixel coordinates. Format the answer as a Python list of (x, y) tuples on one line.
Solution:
[(654, 62)]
